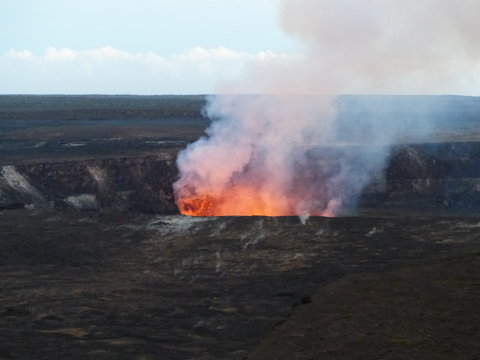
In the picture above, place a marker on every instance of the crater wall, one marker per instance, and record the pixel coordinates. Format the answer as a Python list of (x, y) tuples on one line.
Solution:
[(443, 176)]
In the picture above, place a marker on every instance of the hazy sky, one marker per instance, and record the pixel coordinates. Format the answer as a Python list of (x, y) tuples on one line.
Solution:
[(204, 46), (134, 46)]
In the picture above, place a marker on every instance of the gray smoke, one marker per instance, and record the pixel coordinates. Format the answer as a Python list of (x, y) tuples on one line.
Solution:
[(388, 46), (294, 148)]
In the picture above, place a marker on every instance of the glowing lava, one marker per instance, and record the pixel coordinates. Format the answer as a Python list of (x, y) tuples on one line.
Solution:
[(242, 201), (235, 201)]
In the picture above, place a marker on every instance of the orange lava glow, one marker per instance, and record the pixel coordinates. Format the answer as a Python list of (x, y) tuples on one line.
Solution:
[(241, 201), (235, 201)]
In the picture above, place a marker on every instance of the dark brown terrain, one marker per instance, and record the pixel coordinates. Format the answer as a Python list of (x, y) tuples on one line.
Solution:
[(97, 264)]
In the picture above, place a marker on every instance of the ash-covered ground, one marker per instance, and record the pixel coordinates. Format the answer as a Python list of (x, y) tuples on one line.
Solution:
[(97, 264)]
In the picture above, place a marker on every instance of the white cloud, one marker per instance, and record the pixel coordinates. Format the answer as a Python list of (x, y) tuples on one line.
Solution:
[(107, 53), (22, 54), (60, 54), (201, 54), (111, 70)]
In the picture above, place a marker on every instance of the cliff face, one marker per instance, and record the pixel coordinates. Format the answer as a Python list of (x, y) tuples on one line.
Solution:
[(434, 175), (128, 184), (437, 176)]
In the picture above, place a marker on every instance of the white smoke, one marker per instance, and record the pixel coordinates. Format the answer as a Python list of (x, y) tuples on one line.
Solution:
[(392, 46), (287, 145)]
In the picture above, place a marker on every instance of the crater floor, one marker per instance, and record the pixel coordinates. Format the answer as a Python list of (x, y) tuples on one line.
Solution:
[(171, 287), (90, 269)]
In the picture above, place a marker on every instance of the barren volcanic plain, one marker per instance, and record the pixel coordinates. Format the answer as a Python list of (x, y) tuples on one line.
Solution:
[(97, 263)]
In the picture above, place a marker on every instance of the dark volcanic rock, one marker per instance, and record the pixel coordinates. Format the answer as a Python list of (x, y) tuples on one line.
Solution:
[(438, 177), (422, 311), (445, 175), (98, 107), (135, 184), (435, 161), (174, 287), (112, 283)]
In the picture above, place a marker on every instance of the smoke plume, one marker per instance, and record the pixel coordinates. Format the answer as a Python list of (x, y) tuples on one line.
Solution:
[(294, 147)]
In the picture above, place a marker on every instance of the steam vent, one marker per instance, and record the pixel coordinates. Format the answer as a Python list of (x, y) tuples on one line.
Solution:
[(363, 244)]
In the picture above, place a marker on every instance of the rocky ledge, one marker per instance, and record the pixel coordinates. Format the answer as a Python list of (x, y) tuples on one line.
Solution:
[(441, 177)]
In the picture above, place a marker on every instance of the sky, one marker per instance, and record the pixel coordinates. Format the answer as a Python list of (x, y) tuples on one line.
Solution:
[(216, 46), (135, 46)]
